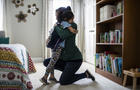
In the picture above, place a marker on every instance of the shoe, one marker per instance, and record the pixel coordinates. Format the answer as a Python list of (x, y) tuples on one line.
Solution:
[(44, 81), (89, 75), (53, 79)]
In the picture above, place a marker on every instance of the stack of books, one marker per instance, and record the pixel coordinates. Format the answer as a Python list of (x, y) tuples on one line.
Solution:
[(110, 63), (111, 37), (108, 11)]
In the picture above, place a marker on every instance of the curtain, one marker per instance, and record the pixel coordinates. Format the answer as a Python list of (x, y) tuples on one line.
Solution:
[(47, 24), (77, 6), (44, 26), (1, 15)]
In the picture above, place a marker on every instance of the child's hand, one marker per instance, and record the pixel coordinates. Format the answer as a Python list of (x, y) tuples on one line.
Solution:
[(47, 41), (76, 31), (55, 25)]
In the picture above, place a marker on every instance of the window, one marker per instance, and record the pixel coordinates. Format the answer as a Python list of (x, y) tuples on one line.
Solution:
[(59, 3), (1, 15)]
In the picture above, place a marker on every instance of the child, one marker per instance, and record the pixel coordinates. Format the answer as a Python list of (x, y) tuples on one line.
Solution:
[(56, 44)]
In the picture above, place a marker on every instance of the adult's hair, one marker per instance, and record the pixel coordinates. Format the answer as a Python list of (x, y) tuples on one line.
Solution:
[(68, 8), (67, 15), (60, 11)]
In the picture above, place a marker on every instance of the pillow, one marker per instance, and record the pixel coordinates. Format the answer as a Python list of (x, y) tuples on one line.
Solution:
[(4, 40), (2, 34)]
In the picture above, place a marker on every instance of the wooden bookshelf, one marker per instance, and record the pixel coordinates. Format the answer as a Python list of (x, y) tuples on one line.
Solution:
[(112, 19), (109, 75), (103, 2), (128, 22), (120, 44)]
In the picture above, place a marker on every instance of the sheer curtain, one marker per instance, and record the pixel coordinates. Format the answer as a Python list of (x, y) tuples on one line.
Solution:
[(78, 9), (47, 23), (1, 15)]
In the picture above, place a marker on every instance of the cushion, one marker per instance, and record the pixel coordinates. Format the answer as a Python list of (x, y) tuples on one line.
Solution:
[(4, 40), (2, 34)]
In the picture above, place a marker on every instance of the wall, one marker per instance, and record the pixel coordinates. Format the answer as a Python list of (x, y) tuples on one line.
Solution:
[(90, 30), (29, 33)]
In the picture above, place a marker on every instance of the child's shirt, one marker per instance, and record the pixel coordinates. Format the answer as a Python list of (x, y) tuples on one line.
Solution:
[(64, 24), (54, 39)]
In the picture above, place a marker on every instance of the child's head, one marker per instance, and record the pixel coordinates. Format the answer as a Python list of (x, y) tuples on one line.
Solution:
[(68, 16), (60, 11)]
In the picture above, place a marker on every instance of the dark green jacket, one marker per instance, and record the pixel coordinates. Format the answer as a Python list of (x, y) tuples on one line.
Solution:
[(70, 52)]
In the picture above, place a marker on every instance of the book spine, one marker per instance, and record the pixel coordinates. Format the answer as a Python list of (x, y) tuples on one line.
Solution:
[(110, 63)]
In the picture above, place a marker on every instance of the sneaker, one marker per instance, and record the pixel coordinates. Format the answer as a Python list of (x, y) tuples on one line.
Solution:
[(53, 79), (44, 81), (89, 75)]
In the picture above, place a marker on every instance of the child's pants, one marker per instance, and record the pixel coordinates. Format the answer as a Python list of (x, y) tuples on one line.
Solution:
[(55, 56)]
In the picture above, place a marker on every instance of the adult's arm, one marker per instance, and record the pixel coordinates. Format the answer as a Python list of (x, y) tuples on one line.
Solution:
[(65, 33)]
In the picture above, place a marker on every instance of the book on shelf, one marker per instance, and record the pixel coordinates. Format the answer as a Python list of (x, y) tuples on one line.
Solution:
[(111, 36), (106, 12), (119, 7), (109, 62), (109, 11)]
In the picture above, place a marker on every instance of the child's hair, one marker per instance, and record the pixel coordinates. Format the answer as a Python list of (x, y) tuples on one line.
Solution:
[(61, 11), (67, 15)]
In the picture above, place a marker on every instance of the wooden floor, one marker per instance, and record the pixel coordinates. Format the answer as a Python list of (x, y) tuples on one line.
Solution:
[(101, 83)]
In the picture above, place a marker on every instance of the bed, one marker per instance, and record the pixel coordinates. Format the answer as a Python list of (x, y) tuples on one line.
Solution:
[(15, 65)]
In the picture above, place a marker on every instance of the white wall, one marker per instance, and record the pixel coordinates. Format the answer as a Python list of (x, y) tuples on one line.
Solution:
[(90, 30), (28, 33)]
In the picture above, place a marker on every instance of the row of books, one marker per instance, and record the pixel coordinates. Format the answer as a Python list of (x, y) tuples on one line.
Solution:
[(108, 11), (111, 63), (111, 37)]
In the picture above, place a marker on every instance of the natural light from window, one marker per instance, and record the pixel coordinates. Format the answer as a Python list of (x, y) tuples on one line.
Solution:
[(59, 3), (1, 15)]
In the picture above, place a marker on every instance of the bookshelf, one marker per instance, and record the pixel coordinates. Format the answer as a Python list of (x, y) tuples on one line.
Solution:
[(111, 19), (109, 44), (103, 2), (129, 48)]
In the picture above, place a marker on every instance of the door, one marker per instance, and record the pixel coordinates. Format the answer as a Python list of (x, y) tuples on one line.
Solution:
[(90, 32)]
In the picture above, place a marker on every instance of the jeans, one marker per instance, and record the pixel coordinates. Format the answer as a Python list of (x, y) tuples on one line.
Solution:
[(68, 69)]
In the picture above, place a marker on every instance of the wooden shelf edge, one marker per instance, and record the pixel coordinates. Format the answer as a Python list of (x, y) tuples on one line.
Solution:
[(103, 2), (119, 44), (118, 17), (110, 76), (100, 2)]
